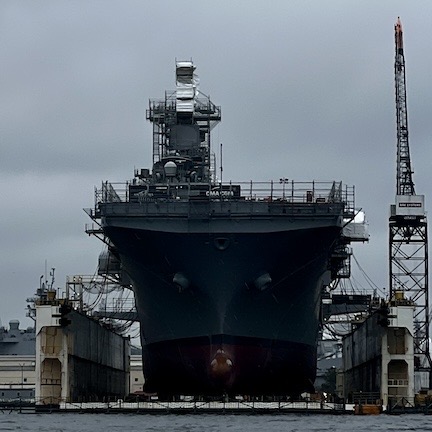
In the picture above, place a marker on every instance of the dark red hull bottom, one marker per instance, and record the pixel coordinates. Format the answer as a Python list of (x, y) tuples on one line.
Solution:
[(225, 364)]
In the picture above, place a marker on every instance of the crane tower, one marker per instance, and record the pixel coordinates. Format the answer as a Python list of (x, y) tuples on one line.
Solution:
[(408, 240)]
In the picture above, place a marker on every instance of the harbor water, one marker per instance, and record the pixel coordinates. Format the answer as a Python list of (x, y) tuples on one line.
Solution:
[(211, 423)]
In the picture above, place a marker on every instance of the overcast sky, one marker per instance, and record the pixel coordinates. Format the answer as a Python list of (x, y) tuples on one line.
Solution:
[(306, 89)]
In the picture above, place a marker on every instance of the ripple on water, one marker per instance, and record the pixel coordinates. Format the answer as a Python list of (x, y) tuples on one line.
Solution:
[(211, 423)]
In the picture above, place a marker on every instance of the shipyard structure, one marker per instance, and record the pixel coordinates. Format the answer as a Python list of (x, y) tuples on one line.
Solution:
[(17, 362), (77, 358), (378, 356), (387, 355)]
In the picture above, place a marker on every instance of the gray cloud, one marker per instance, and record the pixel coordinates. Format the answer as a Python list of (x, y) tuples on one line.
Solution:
[(306, 90)]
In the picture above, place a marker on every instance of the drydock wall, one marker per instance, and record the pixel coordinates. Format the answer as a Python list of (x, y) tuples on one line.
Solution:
[(378, 356), (78, 359), (362, 358)]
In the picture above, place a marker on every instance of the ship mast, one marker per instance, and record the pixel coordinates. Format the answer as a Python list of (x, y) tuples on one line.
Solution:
[(408, 241), (182, 123)]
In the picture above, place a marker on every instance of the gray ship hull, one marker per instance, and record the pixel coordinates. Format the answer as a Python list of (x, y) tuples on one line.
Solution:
[(228, 311)]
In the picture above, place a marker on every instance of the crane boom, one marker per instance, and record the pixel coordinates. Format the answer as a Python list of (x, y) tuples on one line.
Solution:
[(404, 181)]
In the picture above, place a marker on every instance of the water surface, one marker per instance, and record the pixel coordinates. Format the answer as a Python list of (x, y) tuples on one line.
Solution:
[(67, 422)]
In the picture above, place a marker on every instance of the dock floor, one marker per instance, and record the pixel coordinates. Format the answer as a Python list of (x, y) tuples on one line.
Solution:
[(159, 407)]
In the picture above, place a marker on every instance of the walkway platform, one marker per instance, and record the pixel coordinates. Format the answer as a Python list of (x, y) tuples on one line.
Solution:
[(186, 407)]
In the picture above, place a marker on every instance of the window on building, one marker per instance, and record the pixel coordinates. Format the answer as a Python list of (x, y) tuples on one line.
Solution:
[(136, 379)]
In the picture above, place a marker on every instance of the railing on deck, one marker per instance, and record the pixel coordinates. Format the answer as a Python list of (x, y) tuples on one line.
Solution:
[(280, 191)]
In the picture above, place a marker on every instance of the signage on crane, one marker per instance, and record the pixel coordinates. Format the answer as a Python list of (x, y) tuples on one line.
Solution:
[(410, 205)]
